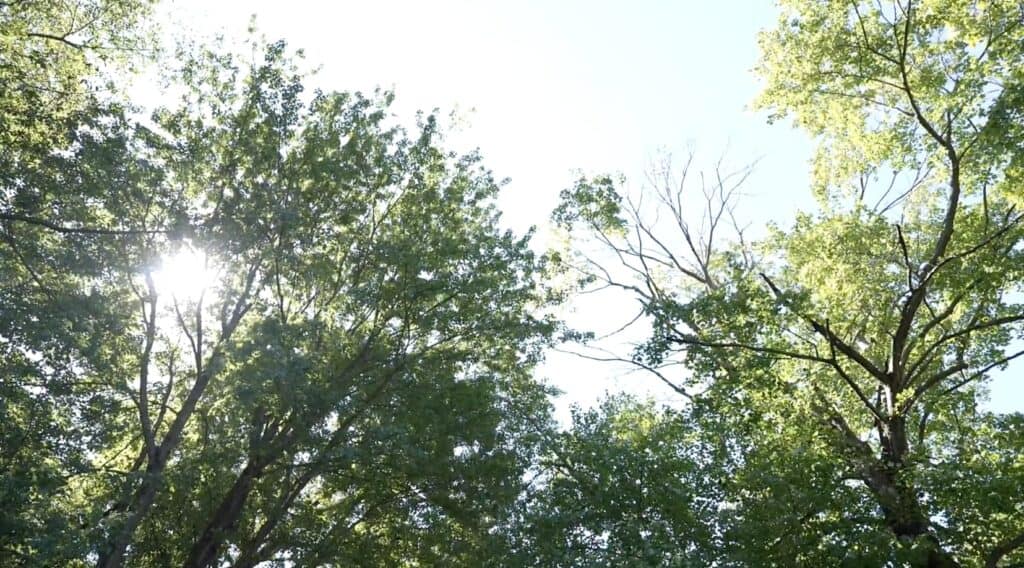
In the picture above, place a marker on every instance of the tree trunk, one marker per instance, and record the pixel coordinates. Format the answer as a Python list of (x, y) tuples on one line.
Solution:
[(113, 557), (225, 520), (900, 505)]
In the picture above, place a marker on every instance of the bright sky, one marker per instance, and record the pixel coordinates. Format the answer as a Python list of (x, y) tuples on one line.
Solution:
[(547, 88)]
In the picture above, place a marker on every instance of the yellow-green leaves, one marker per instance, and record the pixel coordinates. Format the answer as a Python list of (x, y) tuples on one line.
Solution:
[(893, 84), (52, 56)]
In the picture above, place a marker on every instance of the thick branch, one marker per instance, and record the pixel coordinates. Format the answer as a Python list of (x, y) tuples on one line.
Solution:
[(77, 230), (695, 341), (149, 319), (1004, 548), (835, 342), (60, 39)]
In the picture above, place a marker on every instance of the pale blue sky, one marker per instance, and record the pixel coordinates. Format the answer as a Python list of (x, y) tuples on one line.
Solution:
[(550, 87)]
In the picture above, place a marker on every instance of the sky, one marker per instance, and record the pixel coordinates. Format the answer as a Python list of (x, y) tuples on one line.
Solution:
[(549, 89)]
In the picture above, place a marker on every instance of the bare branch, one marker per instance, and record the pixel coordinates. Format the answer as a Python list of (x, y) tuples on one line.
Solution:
[(639, 364)]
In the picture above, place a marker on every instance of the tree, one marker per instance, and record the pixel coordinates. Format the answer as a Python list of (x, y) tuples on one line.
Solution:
[(54, 59), (351, 380), (854, 347), (626, 485)]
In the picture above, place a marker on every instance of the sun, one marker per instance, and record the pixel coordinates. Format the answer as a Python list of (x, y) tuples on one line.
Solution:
[(185, 274)]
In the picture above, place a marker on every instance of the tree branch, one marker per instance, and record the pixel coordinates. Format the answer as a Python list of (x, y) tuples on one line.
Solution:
[(1004, 548), (78, 230), (834, 340), (60, 39), (978, 374)]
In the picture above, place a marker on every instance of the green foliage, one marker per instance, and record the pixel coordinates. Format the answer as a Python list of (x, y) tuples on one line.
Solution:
[(594, 201), (354, 384), (842, 361), (869, 79), (54, 58), (626, 486)]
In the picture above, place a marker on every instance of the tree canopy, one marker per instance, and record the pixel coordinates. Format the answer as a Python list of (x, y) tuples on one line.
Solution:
[(353, 381), (843, 360), (269, 325)]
